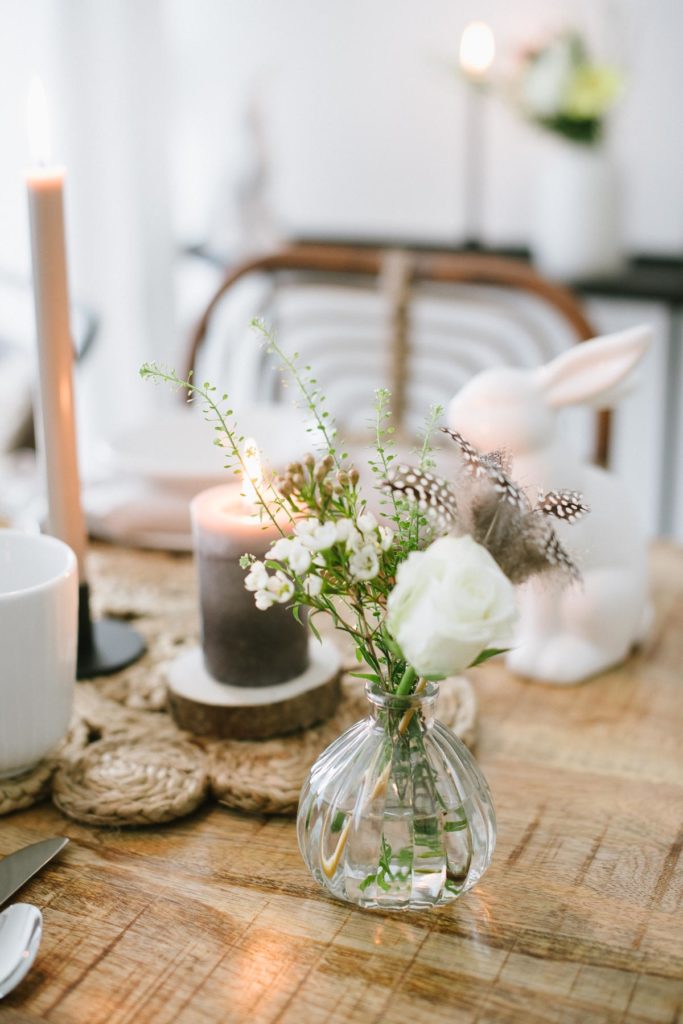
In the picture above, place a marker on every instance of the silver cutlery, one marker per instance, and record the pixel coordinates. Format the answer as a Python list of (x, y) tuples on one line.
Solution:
[(21, 925), (21, 929), (17, 868)]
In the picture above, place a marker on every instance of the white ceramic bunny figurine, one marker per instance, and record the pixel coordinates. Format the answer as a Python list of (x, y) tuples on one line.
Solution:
[(567, 635)]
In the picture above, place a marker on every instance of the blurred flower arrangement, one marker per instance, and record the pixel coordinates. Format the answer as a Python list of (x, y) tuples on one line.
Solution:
[(424, 594), (561, 89)]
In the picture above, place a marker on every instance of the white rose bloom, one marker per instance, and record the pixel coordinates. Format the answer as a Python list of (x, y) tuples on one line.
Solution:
[(313, 585), (386, 537), (257, 577), (264, 600), (280, 587), (299, 557), (450, 603), (364, 564), (366, 523)]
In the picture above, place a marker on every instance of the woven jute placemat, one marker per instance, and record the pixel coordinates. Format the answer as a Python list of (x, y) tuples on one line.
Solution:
[(124, 762)]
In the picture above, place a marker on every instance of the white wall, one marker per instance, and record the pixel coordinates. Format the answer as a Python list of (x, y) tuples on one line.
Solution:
[(365, 112)]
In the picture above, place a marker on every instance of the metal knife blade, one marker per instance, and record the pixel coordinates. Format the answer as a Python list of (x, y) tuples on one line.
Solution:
[(16, 868)]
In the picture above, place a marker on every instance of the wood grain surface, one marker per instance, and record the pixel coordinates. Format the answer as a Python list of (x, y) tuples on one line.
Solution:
[(578, 921)]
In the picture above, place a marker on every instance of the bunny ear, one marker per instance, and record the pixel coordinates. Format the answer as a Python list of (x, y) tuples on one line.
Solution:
[(590, 373)]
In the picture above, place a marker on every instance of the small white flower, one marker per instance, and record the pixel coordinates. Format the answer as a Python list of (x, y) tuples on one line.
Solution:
[(264, 600), (364, 564), (366, 523), (257, 577), (313, 585), (304, 527), (386, 537), (279, 550), (319, 560), (355, 540), (299, 557), (316, 536), (281, 587), (344, 529)]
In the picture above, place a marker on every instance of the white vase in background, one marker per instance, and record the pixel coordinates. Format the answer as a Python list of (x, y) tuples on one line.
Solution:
[(576, 228)]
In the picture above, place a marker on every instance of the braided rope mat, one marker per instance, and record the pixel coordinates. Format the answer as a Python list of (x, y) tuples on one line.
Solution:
[(124, 761)]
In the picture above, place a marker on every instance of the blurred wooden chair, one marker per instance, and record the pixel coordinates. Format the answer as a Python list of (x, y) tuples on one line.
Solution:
[(414, 326)]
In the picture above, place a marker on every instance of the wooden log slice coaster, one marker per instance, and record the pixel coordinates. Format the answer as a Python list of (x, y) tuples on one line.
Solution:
[(132, 781), (205, 707), (266, 776)]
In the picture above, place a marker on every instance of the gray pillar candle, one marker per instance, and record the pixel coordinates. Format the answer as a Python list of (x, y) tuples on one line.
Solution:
[(242, 645)]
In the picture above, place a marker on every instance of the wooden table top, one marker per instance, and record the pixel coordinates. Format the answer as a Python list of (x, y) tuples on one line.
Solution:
[(578, 921)]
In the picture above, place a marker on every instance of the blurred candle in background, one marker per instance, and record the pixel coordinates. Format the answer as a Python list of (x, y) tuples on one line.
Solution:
[(45, 184), (477, 50), (477, 53)]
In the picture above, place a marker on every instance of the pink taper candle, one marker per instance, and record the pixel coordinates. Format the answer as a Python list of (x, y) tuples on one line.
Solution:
[(55, 348)]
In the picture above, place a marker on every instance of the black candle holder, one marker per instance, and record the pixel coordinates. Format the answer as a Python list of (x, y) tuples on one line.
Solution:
[(105, 645)]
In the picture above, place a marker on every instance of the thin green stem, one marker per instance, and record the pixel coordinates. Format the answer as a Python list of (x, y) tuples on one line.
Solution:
[(406, 683), (309, 395), (172, 378)]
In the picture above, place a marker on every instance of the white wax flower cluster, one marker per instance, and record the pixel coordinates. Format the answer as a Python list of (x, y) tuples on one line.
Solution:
[(303, 554), (450, 603)]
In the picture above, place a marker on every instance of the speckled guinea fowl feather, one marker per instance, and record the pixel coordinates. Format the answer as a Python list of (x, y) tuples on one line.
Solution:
[(489, 466), (566, 505), (485, 502), (433, 495)]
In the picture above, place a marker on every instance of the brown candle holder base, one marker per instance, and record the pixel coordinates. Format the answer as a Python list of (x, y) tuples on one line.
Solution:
[(205, 707)]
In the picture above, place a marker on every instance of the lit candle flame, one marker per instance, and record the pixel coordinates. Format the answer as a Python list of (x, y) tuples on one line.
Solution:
[(252, 475), (477, 49), (38, 123)]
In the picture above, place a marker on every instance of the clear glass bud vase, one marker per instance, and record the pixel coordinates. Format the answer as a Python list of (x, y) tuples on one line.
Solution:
[(395, 813)]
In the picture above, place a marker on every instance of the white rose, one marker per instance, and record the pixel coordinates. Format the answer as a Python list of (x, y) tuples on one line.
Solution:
[(450, 603), (364, 564), (257, 577)]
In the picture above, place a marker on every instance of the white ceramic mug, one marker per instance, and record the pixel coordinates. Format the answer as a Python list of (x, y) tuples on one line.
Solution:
[(38, 640)]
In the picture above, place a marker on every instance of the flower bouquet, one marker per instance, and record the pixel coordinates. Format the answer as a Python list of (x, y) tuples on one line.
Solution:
[(575, 227), (395, 813), (561, 89)]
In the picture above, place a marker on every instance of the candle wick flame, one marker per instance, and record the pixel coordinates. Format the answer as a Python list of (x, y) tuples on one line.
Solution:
[(252, 476)]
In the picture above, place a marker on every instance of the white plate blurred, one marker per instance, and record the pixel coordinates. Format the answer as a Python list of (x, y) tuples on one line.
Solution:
[(175, 449)]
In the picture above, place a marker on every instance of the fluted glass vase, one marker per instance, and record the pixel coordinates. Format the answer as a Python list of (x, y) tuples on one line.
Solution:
[(395, 813)]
